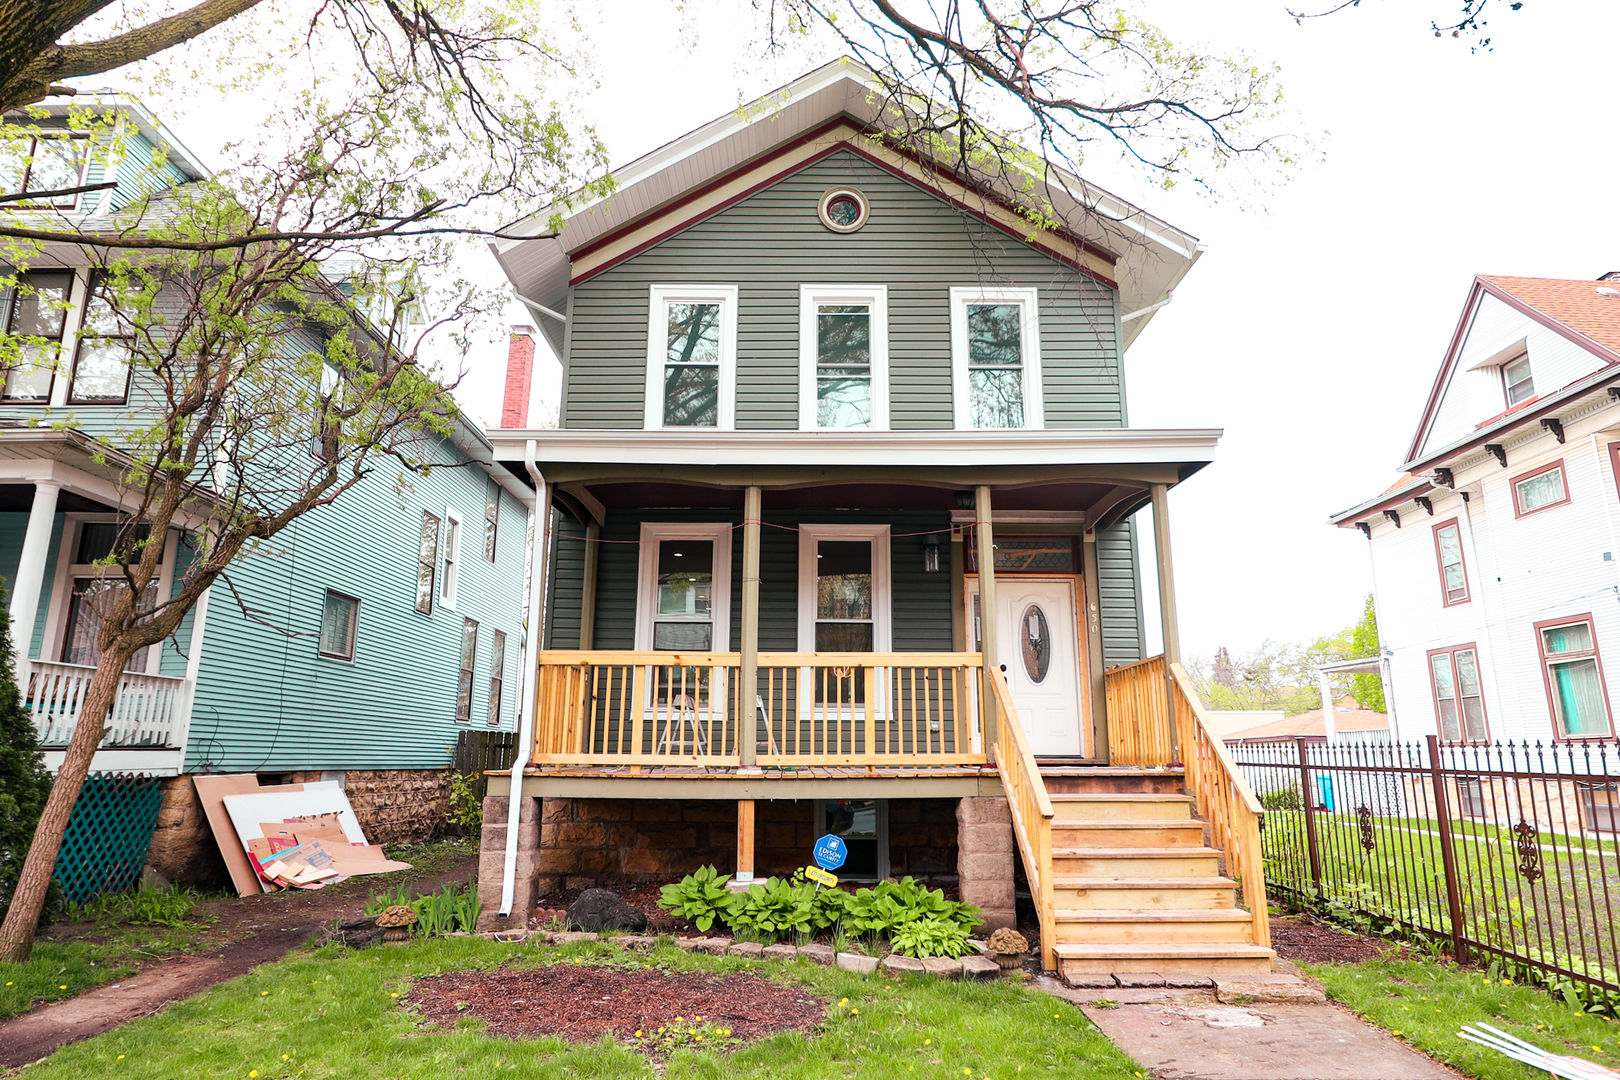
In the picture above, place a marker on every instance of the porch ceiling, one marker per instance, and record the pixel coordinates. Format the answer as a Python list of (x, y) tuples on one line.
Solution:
[(19, 499), (1074, 496)]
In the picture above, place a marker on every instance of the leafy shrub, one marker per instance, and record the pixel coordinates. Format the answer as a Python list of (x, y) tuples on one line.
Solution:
[(892, 904), (147, 905), (930, 937), (24, 781), (1282, 799), (701, 897), (774, 909), (466, 814)]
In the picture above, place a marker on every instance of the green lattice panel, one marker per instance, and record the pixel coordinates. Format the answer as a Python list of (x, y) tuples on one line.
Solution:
[(105, 844)]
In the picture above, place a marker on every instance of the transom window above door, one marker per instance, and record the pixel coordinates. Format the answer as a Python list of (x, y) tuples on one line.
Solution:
[(692, 357), (995, 358), (684, 596), (843, 357)]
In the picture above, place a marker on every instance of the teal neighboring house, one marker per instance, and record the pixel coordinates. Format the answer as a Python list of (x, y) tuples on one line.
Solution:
[(355, 645)]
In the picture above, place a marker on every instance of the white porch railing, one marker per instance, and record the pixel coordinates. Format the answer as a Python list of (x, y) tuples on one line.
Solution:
[(144, 714)]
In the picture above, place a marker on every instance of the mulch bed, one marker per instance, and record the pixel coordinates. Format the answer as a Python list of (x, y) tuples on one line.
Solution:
[(1302, 938), (583, 1002)]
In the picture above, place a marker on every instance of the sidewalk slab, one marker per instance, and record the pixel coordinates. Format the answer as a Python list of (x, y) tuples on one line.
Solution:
[(1186, 1041)]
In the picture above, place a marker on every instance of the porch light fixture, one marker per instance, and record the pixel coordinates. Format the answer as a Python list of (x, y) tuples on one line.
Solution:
[(931, 553)]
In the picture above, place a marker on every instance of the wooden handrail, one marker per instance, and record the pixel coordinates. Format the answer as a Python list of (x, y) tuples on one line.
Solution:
[(1031, 812), (1138, 728), (1224, 800)]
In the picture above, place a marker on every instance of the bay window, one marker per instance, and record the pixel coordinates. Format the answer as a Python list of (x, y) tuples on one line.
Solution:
[(33, 314)]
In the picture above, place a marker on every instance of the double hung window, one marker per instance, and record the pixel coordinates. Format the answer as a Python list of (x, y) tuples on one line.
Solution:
[(692, 357), (94, 586), (1517, 382), (843, 357), (1458, 700), (101, 360), (1574, 678), (685, 596), (995, 358), (339, 616), (492, 517), (1539, 489), (452, 559), (45, 164), (427, 563), (33, 314), (497, 676), (469, 653), (1453, 572)]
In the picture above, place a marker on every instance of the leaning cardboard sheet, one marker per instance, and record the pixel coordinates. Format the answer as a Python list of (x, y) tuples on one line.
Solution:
[(300, 836)]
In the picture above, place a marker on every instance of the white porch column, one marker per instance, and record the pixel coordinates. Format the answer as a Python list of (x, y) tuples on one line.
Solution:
[(30, 582), (1329, 719), (1167, 606)]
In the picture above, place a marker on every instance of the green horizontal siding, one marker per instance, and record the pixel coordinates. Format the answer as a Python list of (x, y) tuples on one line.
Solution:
[(769, 244), (1120, 598)]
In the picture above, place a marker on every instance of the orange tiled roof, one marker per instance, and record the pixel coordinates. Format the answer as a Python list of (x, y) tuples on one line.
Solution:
[(1310, 723), (1575, 303)]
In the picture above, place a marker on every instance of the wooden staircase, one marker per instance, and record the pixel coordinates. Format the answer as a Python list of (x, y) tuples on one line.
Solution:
[(1136, 886), (1136, 867)]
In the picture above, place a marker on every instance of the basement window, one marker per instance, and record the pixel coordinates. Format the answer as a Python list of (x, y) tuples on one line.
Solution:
[(863, 825)]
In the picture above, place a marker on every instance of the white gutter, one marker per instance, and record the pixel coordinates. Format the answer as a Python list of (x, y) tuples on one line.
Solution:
[(535, 305), (531, 667), (1150, 309)]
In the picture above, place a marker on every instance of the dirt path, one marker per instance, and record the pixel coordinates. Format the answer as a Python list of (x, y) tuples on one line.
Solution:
[(251, 931)]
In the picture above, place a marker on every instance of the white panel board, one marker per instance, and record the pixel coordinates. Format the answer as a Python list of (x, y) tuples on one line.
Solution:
[(248, 811)]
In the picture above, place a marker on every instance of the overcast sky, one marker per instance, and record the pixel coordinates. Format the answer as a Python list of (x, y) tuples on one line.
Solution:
[(1312, 327)]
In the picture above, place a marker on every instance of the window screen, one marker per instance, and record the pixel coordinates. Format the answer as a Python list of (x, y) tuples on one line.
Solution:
[(339, 616)]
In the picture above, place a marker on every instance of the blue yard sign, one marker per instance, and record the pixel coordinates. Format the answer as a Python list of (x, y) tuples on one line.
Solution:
[(830, 852)]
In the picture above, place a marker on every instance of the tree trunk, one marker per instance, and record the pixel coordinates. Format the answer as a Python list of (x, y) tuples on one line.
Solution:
[(17, 935)]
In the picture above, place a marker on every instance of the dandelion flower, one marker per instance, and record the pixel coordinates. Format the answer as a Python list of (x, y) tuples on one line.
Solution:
[(1507, 982), (394, 994), (680, 1019), (62, 987), (967, 1072), (1597, 1049), (927, 1041), (264, 993), (120, 1057), (852, 1012), (700, 1038), (638, 1034), (286, 1057), (252, 1073)]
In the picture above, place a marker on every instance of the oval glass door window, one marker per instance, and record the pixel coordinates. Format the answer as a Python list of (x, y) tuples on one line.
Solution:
[(1035, 643)]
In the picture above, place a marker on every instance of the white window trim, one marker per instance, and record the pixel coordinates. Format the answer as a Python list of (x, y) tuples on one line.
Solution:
[(450, 560), (647, 577), (1034, 400), (658, 346), (877, 296), (51, 645), (882, 591)]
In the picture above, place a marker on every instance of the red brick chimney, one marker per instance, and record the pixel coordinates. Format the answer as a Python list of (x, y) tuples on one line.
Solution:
[(519, 375)]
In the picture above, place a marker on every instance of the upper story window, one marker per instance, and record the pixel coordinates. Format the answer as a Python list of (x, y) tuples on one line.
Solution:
[(492, 517), (1517, 382), (427, 563), (843, 357), (340, 615), (451, 583), (692, 357), (995, 358), (464, 682), (33, 311), (44, 164), (1574, 677), (1453, 572), (1539, 489), (497, 676), (844, 209), (101, 358)]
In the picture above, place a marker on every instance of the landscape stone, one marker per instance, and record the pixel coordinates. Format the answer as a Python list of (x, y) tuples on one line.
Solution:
[(714, 946), (1272, 989), (821, 954), (943, 966), (1189, 982), (1090, 980), (568, 937), (748, 950), (981, 967), (688, 944), (860, 965), (598, 909), (896, 963), (1139, 978), (781, 952), (635, 941)]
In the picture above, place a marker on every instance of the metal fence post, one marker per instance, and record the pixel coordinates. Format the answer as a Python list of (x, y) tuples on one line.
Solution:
[(1448, 857), (1306, 796)]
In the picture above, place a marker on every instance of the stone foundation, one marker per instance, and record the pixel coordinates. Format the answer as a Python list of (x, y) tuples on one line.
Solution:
[(183, 848), (491, 860), (985, 858)]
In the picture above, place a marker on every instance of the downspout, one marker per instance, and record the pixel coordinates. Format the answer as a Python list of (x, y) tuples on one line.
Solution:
[(531, 667), (1139, 312)]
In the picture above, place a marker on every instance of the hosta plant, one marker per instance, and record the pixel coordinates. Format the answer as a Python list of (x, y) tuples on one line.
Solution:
[(930, 937), (700, 897)]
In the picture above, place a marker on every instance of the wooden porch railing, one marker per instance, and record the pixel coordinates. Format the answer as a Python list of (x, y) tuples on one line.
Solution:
[(662, 708), (144, 713), (1031, 812), (1225, 800), (1138, 727)]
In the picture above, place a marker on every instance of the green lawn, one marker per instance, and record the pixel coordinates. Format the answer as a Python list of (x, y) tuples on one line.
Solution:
[(61, 969), (1425, 1002), (335, 1013)]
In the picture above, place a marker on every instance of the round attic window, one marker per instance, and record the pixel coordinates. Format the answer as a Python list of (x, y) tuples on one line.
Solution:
[(844, 209)]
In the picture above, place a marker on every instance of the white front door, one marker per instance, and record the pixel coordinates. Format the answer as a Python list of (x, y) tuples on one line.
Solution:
[(1038, 645)]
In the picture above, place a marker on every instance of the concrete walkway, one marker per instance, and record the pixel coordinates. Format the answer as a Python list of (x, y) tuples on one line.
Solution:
[(1196, 1035)]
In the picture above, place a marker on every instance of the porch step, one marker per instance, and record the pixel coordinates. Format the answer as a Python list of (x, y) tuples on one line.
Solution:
[(1100, 926), (1168, 958), (1145, 894), (1104, 806), (1113, 862), (1112, 780), (1164, 833)]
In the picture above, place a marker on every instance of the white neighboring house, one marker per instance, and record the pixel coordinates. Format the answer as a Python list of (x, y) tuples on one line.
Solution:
[(1494, 556)]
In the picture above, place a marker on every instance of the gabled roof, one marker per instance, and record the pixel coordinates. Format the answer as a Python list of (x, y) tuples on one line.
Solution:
[(1585, 312), (832, 107), (1310, 723), (155, 131)]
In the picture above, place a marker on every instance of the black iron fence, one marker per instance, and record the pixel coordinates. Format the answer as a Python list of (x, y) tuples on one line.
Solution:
[(1505, 854)]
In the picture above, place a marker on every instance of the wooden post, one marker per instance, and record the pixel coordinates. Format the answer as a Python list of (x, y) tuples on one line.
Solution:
[(1448, 856), (587, 603), (1306, 795), (1092, 617), (987, 612), (1167, 608), (748, 661), (745, 836)]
